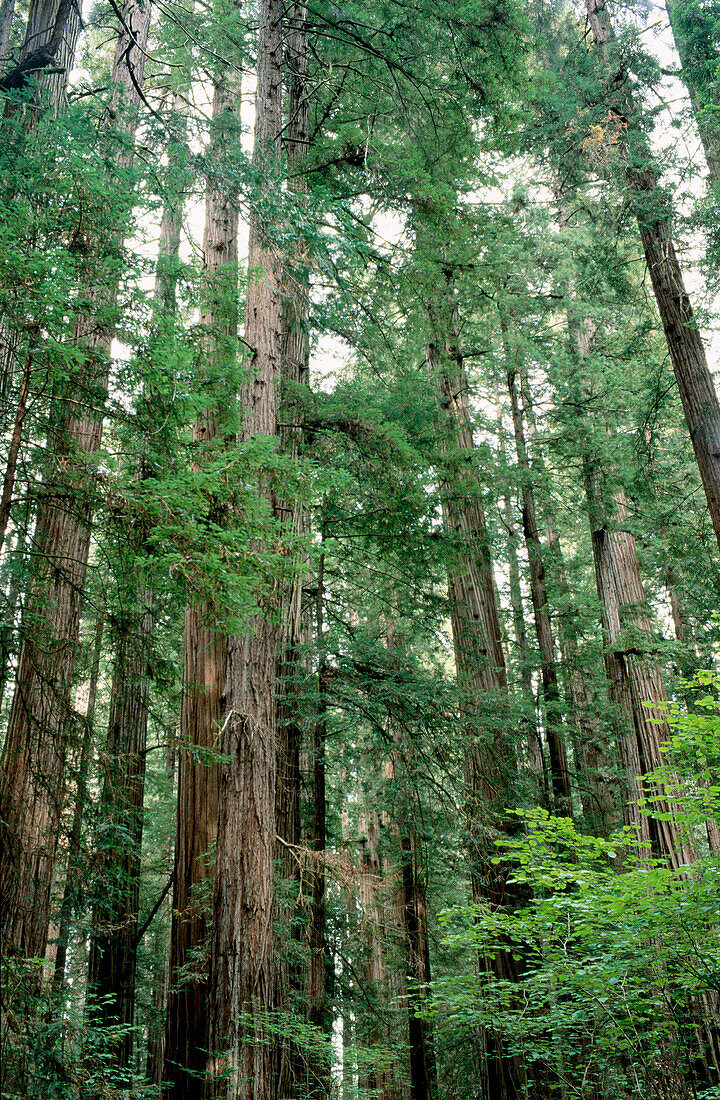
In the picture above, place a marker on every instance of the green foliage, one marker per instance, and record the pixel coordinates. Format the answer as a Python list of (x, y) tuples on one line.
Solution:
[(47, 1056), (617, 954)]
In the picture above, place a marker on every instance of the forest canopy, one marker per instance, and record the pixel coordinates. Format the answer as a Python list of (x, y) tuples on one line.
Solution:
[(359, 534)]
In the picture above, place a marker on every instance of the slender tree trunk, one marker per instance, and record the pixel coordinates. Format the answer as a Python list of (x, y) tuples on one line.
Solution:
[(205, 649), (156, 1030), (692, 25), (14, 451), (319, 1067), (73, 877), (675, 607), (594, 777), (559, 771), (241, 967), (492, 767), (412, 909), (294, 1063), (652, 209), (32, 783), (535, 757), (423, 1071), (7, 13), (11, 606), (113, 944)]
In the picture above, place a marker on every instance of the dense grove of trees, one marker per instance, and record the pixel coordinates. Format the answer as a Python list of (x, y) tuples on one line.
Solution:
[(359, 529)]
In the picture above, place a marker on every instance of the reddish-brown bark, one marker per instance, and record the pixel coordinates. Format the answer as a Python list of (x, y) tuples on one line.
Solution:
[(653, 212), (241, 969), (32, 781), (559, 771), (205, 654)]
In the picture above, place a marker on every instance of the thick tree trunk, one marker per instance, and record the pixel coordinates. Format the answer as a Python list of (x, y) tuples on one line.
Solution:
[(113, 944), (293, 1062), (559, 771), (474, 616), (47, 52), (241, 967), (652, 209), (205, 652), (635, 679), (636, 685), (32, 783)]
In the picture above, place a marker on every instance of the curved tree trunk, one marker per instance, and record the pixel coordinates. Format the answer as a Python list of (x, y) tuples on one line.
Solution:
[(653, 212)]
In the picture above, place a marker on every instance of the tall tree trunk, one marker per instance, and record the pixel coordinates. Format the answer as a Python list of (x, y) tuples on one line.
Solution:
[(376, 1080), (73, 876), (412, 910), (294, 1063), (15, 440), (205, 647), (32, 782), (241, 966), (596, 785), (492, 767), (423, 1071), (559, 771), (12, 604), (688, 667), (535, 757), (653, 212), (319, 1078), (113, 948), (156, 1029), (636, 684), (114, 940)]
